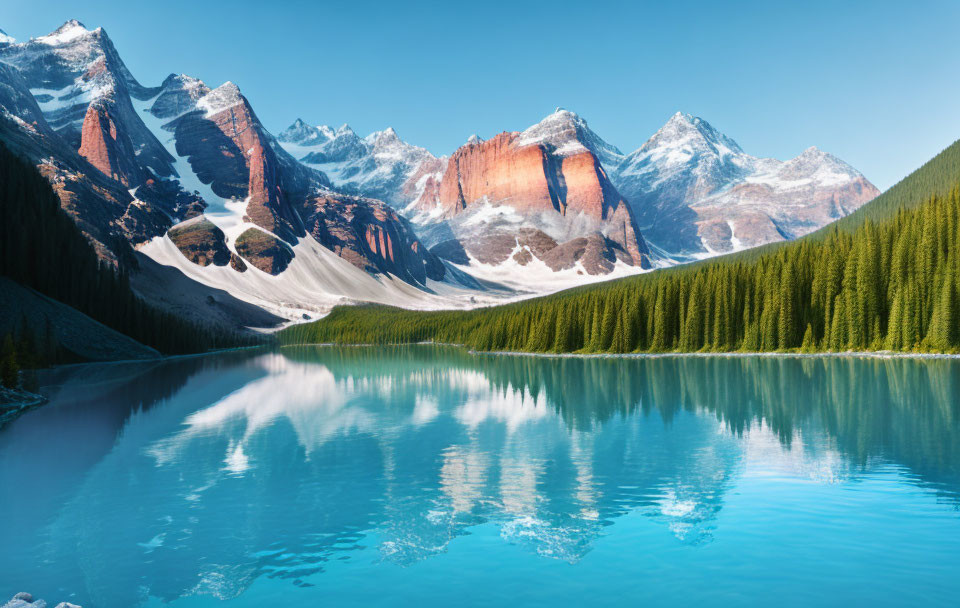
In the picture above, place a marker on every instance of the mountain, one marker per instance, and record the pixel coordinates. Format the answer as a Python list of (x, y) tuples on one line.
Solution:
[(188, 176), (263, 202), (567, 133), (887, 284), (183, 178), (69, 97), (696, 192), (540, 197), (44, 252), (380, 165)]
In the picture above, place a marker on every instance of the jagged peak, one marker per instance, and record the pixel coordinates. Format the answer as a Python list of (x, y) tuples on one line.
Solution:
[(344, 129), (562, 114), (6, 38), (221, 98), (815, 156), (68, 32), (387, 136), (474, 139), (682, 120), (687, 130), (568, 133), (182, 81), (229, 87), (303, 133), (70, 24)]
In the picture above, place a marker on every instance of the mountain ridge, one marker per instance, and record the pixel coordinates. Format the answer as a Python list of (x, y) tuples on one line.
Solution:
[(188, 173)]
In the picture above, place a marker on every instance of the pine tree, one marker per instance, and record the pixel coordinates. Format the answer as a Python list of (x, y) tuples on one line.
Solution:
[(808, 345)]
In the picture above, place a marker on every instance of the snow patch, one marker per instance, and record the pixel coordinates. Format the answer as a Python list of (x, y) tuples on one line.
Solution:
[(221, 98), (68, 32)]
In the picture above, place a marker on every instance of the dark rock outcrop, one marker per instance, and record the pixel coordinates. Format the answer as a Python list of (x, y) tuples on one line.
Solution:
[(372, 236), (201, 242), (264, 251)]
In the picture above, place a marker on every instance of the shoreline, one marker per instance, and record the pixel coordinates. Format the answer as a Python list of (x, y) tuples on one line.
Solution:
[(851, 354), (16, 402), (159, 359)]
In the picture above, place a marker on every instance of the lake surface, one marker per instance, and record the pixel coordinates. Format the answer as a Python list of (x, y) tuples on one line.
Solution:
[(428, 476)]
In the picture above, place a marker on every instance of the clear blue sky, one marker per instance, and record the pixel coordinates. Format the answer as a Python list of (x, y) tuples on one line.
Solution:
[(876, 83)]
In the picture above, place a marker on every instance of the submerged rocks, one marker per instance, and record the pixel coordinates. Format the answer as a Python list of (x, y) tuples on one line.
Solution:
[(25, 600)]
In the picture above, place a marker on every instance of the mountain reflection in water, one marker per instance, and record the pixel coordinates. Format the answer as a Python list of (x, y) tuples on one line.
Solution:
[(200, 476)]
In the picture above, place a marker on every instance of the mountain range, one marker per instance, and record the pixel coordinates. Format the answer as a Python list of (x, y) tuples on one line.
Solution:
[(184, 184)]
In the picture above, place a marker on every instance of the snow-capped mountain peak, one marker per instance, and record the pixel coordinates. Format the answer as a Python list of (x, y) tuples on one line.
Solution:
[(815, 166), (305, 134), (696, 191), (387, 137), (6, 38), (221, 98), (68, 32), (377, 165), (474, 139), (567, 133), (179, 94), (684, 137)]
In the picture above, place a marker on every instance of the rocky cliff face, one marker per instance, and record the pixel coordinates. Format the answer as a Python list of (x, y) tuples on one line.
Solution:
[(103, 208), (371, 236), (108, 148), (131, 162), (495, 195), (72, 68), (229, 152), (80, 125), (696, 192)]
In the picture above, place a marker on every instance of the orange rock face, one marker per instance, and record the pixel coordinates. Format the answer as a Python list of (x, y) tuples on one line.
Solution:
[(371, 236), (532, 179), (430, 186), (100, 145), (265, 207), (501, 172)]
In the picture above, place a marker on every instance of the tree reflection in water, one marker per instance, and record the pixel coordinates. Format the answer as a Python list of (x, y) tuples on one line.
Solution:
[(274, 464)]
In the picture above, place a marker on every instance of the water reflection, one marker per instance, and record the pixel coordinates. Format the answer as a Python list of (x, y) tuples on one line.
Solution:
[(207, 474)]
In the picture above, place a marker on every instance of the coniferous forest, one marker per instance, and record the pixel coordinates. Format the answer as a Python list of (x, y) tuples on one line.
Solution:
[(885, 279), (42, 248)]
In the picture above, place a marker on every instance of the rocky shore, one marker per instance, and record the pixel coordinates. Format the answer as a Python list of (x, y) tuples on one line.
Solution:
[(14, 402)]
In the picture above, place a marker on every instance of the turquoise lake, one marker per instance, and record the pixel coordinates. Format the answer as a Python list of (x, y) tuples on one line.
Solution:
[(429, 476)]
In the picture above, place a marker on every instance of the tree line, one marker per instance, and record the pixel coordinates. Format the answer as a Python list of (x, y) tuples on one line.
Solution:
[(887, 285)]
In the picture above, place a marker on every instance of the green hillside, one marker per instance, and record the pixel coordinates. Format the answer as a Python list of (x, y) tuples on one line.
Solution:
[(883, 278), (935, 178)]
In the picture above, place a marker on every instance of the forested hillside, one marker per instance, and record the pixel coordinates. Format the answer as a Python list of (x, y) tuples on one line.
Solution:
[(42, 248), (935, 178), (885, 285)]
